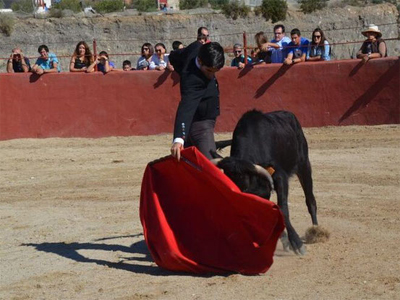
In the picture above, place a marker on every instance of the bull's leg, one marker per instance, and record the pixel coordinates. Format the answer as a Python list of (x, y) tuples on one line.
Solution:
[(304, 175), (282, 190)]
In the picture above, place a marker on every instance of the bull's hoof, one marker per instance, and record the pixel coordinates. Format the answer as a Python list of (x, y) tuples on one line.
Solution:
[(285, 242), (301, 250)]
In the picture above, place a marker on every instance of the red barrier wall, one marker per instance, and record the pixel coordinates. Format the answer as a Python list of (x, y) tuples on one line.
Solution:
[(144, 102)]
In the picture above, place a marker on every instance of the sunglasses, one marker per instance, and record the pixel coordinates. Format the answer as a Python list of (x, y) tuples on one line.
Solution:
[(145, 49), (158, 50), (317, 36), (238, 51)]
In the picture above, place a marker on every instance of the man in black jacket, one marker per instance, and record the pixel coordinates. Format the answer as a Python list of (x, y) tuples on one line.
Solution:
[(199, 105)]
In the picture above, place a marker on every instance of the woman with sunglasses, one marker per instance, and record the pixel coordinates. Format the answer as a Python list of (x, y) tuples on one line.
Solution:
[(144, 61), (319, 48)]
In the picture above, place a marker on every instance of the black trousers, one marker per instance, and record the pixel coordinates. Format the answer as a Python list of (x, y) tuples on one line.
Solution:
[(202, 137)]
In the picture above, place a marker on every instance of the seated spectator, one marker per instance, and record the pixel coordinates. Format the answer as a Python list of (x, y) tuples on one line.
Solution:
[(238, 61), (159, 60), (319, 48), (144, 61), (17, 62), (278, 51), (47, 62), (297, 49), (103, 63), (177, 45), (81, 59), (264, 55), (127, 66), (374, 46)]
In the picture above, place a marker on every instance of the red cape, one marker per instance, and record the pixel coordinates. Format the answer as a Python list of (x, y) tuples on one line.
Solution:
[(195, 219)]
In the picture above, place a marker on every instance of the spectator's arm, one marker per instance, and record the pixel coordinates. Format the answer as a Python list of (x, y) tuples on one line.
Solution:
[(25, 67), (289, 59), (327, 50), (10, 66), (360, 54), (53, 69), (268, 45), (107, 67), (90, 69), (382, 50)]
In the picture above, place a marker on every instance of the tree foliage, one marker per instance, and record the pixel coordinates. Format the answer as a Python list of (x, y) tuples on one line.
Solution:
[(274, 10), (190, 4), (235, 10), (309, 6)]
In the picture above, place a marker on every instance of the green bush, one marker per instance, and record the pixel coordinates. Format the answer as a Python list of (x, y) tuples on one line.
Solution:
[(1, 4), (55, 13), (309, 6), (23, 6), (218, 4), (189, 4), (107, 6), (145, 5), (234, 10), (274, 10), (7, 22), (67, 4)]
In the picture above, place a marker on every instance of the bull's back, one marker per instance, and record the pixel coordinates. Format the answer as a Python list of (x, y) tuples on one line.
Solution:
[(272, 138)]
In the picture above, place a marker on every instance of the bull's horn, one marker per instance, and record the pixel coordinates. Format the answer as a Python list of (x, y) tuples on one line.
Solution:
[(215, 161), (263, 172)]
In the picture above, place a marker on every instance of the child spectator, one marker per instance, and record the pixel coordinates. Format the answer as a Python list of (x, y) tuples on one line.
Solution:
[(298, 48), (238, 61), (177, 45), (81, 59), (46, 63), (319, 48), (264, 55), (17, 63), (103, 63), (127, 66)]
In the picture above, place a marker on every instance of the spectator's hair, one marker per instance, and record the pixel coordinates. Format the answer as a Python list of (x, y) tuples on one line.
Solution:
[(212, 55), (103, 53), (88, 59), (126, 63), (176, 44), (41, 47), (148, 45), (237, 45), (279, 26), (323, 39), (295, 31), (160, 44), (260, 38)]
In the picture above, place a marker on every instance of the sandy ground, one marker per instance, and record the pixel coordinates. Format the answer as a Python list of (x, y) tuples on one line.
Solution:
[(70, 228)]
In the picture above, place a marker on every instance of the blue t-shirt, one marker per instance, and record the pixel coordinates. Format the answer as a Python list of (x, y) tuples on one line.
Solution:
[(100, 67), (299, 50), (47, 64), (278, 55), (323, 51)]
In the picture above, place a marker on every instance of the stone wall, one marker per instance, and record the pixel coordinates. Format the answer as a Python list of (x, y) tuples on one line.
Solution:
[(123, 34)]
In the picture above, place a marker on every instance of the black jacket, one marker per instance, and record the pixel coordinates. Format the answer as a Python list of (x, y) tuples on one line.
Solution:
[(199, 97)]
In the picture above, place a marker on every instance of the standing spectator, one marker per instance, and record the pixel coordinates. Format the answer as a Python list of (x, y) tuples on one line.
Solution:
[(239, 61), (17, 62), (159, 60), (264, 55), (374, 46), (46, 63), (144, 61), (81, 59), (103, 63), (319, 48), (127, 66), (176, 45), (278, 52), (298, 48)]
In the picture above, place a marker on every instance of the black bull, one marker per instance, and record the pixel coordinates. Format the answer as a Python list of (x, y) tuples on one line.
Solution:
[(274, 140)]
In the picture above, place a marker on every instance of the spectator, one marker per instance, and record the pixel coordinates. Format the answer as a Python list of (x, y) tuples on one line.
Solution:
[(81, 59), (203, 35), (144, 61), (238, 61), (374, 46), (103, 63), (264, 55), (177, 45), (127, 66), (159, 60), (46, 63), (298, 48), (278, 52), (17, 62), (319, 48)]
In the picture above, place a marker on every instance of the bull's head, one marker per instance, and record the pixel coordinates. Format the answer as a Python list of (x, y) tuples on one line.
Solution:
[(249, 178)]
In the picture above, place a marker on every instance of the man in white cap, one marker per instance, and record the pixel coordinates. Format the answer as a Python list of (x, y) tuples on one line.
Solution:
[(374, 46)]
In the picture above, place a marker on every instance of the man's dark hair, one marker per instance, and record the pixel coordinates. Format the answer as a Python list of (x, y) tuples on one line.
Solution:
[(160, 45), (295, 31), (212, 55), (200, 35), (279, 26), (200, 30), (126, 63), (43, 47), (103, 53), (176, 44)]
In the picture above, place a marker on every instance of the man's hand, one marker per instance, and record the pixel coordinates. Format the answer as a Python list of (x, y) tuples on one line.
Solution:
[(176, 150)]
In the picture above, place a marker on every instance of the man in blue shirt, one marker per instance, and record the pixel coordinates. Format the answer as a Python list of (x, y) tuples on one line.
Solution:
[(279, 54), (297, 49)]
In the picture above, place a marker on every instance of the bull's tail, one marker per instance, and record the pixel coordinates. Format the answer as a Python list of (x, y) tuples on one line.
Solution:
[(222, 144)]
